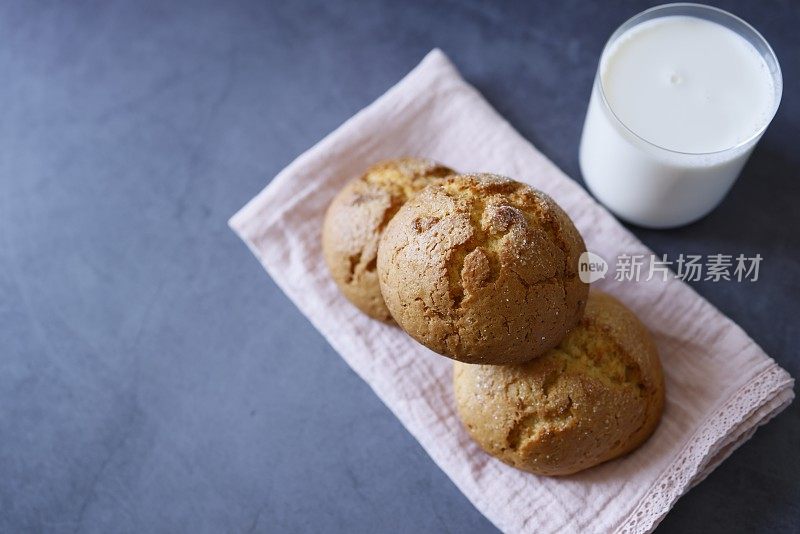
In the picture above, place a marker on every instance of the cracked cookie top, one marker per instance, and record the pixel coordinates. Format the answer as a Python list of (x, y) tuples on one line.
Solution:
[(356, 218), (598, 395), (483, 269)]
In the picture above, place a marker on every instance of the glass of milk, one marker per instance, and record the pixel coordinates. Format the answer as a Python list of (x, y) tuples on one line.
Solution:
[(682, 94)]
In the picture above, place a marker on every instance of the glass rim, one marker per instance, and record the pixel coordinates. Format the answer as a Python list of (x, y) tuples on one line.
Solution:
[(777, 75)]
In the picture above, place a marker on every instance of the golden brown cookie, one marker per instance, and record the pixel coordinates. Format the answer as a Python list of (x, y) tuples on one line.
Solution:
[(596, 396), (483, 269), (356, 218)]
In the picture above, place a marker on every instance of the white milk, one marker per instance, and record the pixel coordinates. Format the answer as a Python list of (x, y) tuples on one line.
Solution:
[(686, 100)]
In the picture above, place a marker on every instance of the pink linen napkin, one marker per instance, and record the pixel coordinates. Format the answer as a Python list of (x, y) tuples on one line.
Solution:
[(720, 385)]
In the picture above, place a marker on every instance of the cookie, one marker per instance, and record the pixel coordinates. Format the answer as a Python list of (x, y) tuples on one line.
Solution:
[(596, 396), (483, 269), (356, 219)]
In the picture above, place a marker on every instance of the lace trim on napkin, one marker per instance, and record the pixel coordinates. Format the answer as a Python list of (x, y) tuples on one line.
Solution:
[(689, 467)]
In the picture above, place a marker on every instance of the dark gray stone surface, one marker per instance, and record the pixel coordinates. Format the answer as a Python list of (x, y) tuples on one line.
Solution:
[(154, 379)]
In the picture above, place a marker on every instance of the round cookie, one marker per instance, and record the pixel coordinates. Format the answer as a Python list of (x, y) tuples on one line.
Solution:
[(483, 269), (356, 218), (596, 396)]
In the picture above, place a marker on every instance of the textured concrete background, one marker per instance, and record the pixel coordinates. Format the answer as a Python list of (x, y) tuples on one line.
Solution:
[(154, 379)]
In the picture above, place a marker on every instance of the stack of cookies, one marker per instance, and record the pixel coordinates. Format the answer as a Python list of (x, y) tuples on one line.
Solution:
[(548, 377)]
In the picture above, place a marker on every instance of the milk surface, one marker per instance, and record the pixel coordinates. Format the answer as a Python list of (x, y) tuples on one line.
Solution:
[(686, 100), (688, 84)]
